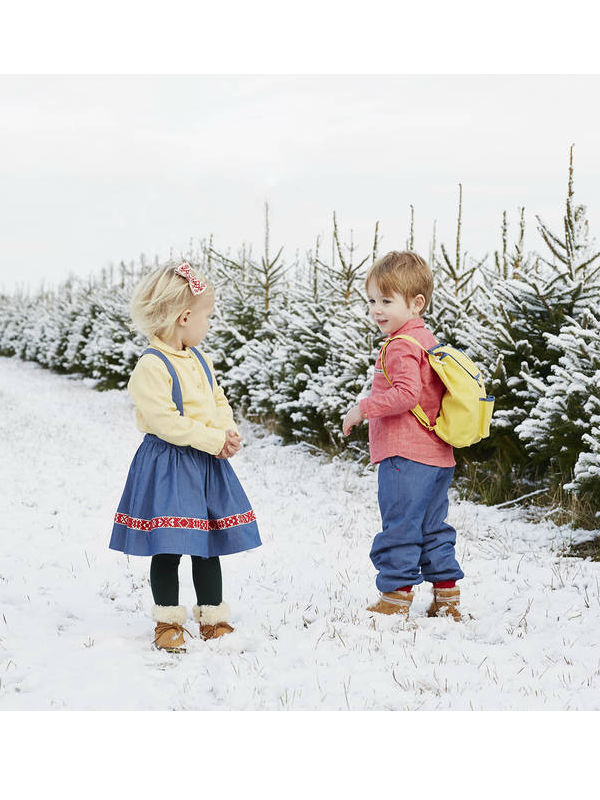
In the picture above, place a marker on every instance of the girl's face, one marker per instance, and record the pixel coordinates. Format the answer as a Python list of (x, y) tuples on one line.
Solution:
[(391, 312), (196, 322)]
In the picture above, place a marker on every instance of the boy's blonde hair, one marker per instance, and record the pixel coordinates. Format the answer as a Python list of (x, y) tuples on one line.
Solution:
[(160, 297), (404, 273)]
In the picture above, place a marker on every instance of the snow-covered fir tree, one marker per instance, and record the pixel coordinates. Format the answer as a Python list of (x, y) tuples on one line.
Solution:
[(553, 430), (293, 345), (112, 347), (527, 299), (561, 433), (456, 288), (586, 473), (249, 294), (336, 347)]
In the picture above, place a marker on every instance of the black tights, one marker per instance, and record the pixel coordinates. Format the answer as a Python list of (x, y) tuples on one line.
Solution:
[(164, 580)]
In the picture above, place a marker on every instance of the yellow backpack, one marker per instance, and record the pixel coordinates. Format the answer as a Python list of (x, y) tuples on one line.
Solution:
[(466, 410)]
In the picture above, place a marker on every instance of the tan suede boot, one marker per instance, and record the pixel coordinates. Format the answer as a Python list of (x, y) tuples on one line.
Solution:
[(168, 634), (393, 603), (212, 620), (446, 603)]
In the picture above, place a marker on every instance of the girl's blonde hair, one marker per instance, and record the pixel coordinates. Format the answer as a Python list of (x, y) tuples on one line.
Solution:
[(160, 297), (404, 273)]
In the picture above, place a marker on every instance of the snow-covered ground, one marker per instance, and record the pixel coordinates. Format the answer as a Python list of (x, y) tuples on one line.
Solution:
[(75, 626)]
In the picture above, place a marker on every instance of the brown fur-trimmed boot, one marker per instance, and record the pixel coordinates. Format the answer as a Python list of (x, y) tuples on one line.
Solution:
[(212, 620), (446, 603), (168, 634), (393, 603)]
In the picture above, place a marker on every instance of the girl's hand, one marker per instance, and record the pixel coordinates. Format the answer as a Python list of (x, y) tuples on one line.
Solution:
[(352, 418), (233, 443)]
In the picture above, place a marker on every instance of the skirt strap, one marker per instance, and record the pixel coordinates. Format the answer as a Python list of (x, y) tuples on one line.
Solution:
[(176, 389), (202, 360)]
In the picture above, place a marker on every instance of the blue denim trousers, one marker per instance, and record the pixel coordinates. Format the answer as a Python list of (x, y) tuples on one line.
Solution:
[(416, 542)]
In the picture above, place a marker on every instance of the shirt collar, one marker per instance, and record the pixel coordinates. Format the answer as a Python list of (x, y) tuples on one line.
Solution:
[(166, 348), (411, 325)]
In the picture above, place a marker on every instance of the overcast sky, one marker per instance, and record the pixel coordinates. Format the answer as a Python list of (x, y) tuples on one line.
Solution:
[(98, 169)]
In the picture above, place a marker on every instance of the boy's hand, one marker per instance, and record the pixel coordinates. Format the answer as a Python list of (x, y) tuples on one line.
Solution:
[(233, 443), (352, 418)]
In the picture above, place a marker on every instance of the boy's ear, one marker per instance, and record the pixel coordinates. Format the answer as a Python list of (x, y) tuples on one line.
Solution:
[(419, 303)]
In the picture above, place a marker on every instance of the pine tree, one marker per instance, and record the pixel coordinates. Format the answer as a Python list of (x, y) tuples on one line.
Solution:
[(586, 473), (243, 338), (112, 348), (13, 317), (525, 300), (553, 431), (456, 288), (293, 345), (338, 349)]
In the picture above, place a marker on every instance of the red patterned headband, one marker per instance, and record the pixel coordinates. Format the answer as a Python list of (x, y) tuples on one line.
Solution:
[(196, 286)]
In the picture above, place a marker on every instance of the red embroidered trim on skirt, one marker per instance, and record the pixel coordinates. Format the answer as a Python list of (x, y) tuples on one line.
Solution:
[(184, 522)]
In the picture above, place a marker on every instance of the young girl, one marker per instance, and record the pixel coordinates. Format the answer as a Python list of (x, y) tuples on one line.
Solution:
[(415, 465), (181, 495)]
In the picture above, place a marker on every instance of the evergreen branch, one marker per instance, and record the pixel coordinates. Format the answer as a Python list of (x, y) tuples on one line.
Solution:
[(432, 256), (338, 245), (375, 243), (458, 226), (450, 267), (540, 297), (588, 262), (504, 245), (548, 236), (225, 260), (411, 236), (593, 274)]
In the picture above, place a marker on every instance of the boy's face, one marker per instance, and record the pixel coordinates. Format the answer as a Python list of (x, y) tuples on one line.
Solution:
[(391, 312)]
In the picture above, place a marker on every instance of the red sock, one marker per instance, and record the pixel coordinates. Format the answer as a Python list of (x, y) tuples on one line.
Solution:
[(404, 589), (444, 585)]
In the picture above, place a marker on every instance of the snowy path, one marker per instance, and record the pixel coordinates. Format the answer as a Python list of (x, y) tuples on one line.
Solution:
[(75, 629)]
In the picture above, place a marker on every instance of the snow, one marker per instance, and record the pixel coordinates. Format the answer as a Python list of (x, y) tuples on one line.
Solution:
[(75, 625)]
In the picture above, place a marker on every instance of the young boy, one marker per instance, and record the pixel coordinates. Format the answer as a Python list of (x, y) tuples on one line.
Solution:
[(415, 465)]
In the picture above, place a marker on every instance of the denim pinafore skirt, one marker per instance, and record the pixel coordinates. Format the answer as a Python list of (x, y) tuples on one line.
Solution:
[(182, 500)]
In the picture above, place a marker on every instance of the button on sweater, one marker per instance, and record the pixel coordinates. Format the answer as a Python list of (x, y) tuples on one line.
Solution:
[(393, 429)]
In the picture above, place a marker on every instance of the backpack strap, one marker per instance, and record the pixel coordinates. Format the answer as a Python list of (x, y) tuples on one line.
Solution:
[(417, 410), (202, 360), (176, 388)]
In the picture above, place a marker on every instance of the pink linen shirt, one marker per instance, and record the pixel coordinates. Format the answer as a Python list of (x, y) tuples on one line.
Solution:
[(393, 429)]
